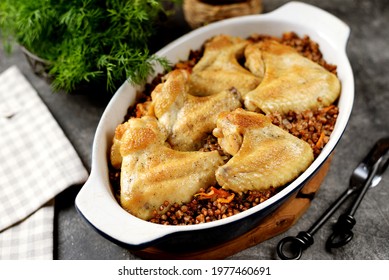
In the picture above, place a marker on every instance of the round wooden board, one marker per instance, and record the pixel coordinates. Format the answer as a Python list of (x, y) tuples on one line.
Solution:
[(276, 223)]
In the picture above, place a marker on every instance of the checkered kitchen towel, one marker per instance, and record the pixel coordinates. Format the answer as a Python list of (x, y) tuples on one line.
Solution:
[(37, 162)]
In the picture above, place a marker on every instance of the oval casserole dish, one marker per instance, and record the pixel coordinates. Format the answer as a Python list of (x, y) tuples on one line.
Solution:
[(96, 201)]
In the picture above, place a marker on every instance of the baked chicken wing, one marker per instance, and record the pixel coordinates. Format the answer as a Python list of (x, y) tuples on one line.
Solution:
[(264, 155), (152, 173), (115, 156), (189, 118), (219, 68), (290, 81)]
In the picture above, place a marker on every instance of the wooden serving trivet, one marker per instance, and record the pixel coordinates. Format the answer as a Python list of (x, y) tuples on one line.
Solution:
[(276, 223)]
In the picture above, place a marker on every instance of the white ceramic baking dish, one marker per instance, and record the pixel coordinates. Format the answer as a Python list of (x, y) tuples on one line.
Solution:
[(96, 202)]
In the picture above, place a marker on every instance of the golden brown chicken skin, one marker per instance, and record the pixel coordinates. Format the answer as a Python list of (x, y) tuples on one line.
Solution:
[(188, 118), (290, 81), (264, 155), (219, 68), (152, 172)]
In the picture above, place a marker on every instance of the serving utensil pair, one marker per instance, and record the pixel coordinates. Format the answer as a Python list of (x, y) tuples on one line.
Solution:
[(366, 175)]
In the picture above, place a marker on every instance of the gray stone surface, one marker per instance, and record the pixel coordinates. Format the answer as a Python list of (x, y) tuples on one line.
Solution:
[(368, 51)]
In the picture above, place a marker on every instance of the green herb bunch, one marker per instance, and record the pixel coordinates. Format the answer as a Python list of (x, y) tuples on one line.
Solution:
[(86, 40)]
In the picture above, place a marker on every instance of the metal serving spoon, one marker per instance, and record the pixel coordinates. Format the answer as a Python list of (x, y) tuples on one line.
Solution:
[(367, 174)]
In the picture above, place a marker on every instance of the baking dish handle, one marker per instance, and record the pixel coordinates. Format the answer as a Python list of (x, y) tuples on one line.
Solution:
[(97, 206), (331, 27)]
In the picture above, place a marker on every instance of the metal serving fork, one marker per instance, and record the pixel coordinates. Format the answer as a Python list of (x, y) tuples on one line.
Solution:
[(367, 174)]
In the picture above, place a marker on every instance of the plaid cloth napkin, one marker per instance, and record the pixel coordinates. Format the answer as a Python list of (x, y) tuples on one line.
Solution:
[(37, 162)]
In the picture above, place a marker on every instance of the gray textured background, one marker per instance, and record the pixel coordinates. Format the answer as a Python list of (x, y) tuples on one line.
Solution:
[(368, 51)]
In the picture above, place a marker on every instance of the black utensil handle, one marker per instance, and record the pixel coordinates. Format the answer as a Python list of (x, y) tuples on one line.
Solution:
[(304, 239), (330, 210), (342, 233), (291, 248)]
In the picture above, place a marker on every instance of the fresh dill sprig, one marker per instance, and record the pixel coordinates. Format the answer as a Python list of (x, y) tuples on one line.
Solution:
[(87, 40)]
